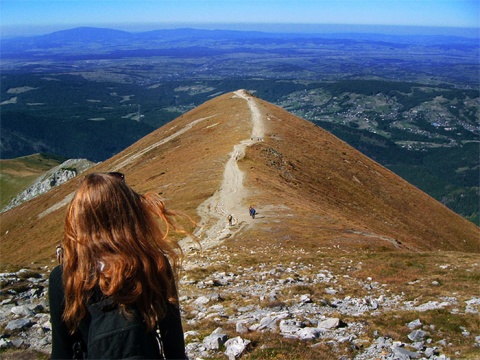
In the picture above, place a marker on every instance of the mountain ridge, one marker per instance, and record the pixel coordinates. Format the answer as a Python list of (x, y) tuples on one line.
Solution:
[(82, 38), (307, 185)]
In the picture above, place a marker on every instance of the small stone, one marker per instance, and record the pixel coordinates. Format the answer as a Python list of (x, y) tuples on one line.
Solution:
[(5, 343), (235, 347), (308, 333), (22, 311), (429, 352), (416, 335), (215, 340), (414, 324), (373, 305), (191, 333), (241, 328), (17, 342), (290, 326), (405, 354), (442, 342), (305, 299), (202, 300), (18, 324), (329, 323), (268, 322), (6, 301)]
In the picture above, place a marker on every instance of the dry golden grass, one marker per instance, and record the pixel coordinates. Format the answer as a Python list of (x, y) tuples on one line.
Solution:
[(277, 347), (320, 202), (308, 186)]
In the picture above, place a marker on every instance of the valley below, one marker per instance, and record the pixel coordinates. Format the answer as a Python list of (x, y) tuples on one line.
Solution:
[(416, 114), (344, 260)]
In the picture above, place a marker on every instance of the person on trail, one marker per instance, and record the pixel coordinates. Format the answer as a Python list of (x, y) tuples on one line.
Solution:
[(58, 252), (115, 251), (252, 211)]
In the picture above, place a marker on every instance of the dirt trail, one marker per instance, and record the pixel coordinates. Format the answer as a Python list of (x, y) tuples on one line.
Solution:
[(229, 198)]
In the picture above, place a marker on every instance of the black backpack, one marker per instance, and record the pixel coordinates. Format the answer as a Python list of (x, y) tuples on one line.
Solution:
[(112, 335)]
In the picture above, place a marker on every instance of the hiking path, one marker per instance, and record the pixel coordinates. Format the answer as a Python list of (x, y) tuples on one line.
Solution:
[(229, 199)]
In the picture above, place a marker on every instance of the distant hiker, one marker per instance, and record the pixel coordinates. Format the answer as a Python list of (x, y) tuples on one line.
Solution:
[(252, 211), (117, 276), (230, 220), (59, 253)]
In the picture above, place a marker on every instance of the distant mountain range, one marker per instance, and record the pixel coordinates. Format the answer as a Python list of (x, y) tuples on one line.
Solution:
[(90, 38), (237, 150)]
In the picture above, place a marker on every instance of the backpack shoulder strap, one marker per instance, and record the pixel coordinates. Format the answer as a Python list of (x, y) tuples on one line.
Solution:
[(79, 348)]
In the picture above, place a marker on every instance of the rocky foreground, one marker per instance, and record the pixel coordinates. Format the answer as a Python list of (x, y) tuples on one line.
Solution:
[(259, 298)]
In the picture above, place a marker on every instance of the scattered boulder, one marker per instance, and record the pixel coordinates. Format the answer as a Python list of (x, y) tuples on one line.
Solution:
[(236, 347), (215, 340), (416, 335), (414, 324), (18, 324), (331, 323)]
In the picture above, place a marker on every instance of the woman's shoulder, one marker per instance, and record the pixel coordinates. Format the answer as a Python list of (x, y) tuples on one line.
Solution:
[(55, 289), (56, 274)]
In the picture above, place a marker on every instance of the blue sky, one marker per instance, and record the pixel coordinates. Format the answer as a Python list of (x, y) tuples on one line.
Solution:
[(41, 16)]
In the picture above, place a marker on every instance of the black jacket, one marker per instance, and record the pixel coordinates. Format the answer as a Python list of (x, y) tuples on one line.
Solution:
[(171, 330)]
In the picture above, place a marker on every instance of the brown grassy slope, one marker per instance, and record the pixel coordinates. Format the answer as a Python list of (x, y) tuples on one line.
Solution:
[(185, 170), (308, 186), (328, 193)]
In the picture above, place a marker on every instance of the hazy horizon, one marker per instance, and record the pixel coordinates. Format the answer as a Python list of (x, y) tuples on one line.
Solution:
[(36, 17), (25, 31)]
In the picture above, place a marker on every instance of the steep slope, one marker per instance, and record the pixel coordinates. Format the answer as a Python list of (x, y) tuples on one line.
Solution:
[(237, 150), (333, 195)]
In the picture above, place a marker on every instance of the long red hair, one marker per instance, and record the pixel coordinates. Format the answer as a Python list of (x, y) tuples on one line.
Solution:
[(113, 240)]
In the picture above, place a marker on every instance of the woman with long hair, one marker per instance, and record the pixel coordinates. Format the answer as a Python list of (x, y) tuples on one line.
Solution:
[(114, 248)]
